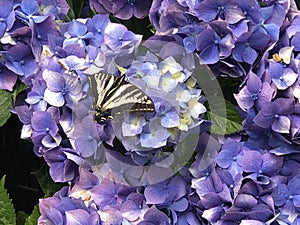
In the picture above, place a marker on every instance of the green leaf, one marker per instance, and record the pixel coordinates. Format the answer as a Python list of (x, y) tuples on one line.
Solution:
[(5, 104), (225, 120), (19, 87), (75, 9), (7, 212), (21, 217), (48, 186), (33, 218)]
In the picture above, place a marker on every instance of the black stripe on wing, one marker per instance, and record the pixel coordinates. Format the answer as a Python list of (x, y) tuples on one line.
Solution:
[(114, 95)]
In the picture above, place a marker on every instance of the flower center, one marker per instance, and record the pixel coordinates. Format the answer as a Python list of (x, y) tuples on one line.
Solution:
[(254, 97), (65, 91), (131, 2), (220, 10), (90, 138)]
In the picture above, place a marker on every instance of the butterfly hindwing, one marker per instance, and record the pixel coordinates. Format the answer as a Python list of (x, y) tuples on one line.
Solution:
[(115, 95)]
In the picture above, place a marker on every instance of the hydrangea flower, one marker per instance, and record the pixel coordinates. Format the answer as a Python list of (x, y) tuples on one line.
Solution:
[(246, 46), (251, 177), (261, 166), (282, 76), (7, 16), (224, 9), (125, 9), (286, 196), (212, 47), (45, 130), (122, 9), (60, 209), (255, 93), (275, 114), (166, 191), (61, 88)]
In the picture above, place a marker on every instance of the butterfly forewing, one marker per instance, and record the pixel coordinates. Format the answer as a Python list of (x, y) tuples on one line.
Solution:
[(115, 95)]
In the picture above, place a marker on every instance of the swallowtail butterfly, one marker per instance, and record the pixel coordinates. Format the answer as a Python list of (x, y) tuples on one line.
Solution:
[(113, 95)]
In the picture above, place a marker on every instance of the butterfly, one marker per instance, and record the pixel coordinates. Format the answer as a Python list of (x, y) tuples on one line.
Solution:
[(114, 95)]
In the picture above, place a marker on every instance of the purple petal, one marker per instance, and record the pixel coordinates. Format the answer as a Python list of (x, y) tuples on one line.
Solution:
[(3, 27), (206, 11), (225, 46), (155, 194), (209, 55), (282, 125), (77, 29), (7, 79), (54, 98), (77, 216), (251, 161), (177, 187), (253, 83), (285, 106), (244, 99), (224, 160), (55, 81), (245, 201), (249, 55), (296, 42), (180, 205), (265, 95), (233, 13), (205, 39), (280, 194), (155, 216), (43, 122), (272, 164), (113, 34), (171, 119), (30, 7), (296, 200), (263, 121)]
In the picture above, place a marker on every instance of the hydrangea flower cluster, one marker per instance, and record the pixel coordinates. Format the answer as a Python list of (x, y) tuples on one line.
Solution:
[(128, 170)]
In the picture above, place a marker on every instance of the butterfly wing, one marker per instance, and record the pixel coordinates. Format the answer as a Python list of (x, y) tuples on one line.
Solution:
[(115, 95)]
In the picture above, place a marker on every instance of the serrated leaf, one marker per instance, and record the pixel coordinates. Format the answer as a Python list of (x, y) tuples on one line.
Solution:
[(226, 120), (5, 104), (33, 218), (48, 186), (7, 212)]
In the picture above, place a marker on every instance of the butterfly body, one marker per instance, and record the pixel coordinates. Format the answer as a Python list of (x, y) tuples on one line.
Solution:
[(114, 95)]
